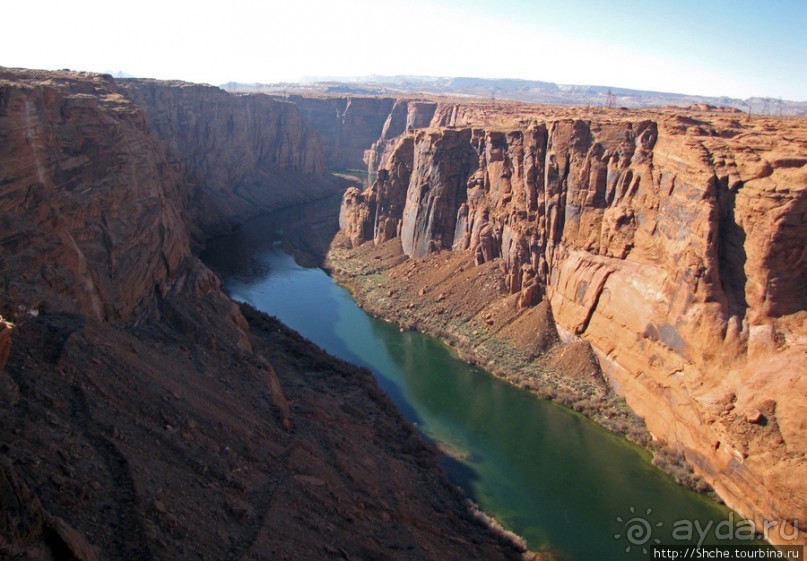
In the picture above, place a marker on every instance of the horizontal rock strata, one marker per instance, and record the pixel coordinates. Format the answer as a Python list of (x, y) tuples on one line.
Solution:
[(674, 246)]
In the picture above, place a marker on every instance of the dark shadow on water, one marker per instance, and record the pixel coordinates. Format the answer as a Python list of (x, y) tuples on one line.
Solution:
[(305, 231), (463, 475), (252, 263)]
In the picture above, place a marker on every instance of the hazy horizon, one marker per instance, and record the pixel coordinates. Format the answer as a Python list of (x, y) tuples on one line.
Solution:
[(736, 49)]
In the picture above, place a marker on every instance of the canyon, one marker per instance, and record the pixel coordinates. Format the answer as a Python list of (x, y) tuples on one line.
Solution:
[(670, 243), (145, 415), (655, 255)]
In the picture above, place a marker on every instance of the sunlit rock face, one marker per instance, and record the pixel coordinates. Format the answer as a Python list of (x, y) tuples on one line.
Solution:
[(91, 209), (673, 245)]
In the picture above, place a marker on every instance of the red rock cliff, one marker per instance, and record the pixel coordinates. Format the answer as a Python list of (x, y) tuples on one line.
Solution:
[(177, 424), (91, 208), (346, 125), (241, 154), (359, 132), (674, 246)]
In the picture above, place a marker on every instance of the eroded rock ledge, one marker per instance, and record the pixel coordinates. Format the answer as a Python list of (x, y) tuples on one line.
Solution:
[(672, 245)]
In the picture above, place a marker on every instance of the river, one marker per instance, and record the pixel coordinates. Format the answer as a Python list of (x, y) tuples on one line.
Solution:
[(560, 481)]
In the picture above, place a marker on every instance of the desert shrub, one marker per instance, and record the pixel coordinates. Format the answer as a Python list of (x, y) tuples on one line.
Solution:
[(674, 463)]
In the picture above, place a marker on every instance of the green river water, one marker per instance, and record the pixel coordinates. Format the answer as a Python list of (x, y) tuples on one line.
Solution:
[(560, 481)]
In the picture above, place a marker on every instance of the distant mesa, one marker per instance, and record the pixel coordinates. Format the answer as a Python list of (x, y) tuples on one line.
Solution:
[(530, 91)]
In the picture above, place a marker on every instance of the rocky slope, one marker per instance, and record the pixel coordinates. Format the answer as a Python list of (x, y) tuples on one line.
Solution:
[(165, 441), (6, 329), (144, 415), (672, 244)]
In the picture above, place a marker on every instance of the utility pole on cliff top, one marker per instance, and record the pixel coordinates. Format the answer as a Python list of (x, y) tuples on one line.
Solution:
[(610, 99)]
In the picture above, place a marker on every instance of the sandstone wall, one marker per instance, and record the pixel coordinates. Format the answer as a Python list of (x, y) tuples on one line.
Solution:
[(138, 390), (106, 183), (405, 116), (346, 125), (240, 154), (360, 132), (674, 246), (91, 209)]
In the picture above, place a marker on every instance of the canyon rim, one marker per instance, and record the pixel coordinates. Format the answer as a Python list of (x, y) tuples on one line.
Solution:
[(144, 414), (664, 246), (671, 242)]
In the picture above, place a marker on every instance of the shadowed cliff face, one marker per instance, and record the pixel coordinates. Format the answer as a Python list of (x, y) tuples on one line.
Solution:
[(104, 185), (669, 244), (360, 132), (142, 415), (241, 155), (346, 125)]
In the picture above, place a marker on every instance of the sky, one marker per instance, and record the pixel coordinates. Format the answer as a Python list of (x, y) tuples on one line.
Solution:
[(736, 48)]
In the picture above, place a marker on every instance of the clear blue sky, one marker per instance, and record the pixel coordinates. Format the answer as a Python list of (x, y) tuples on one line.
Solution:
[(737, 48)]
